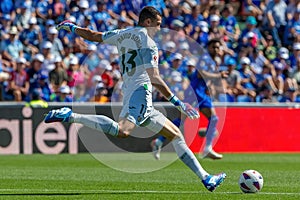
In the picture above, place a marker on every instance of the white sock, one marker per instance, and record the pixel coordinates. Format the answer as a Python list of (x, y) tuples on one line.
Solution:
[(158, 142), (97, 122), (188, 158)]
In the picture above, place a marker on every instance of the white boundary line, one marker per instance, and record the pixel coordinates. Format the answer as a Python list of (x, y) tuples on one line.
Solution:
[(82, 192)]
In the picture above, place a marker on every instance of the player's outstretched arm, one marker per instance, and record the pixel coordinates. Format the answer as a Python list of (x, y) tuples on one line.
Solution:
[(160, 84), (82, 32)]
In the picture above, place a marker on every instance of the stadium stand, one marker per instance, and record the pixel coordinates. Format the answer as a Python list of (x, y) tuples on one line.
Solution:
[(261, 47)]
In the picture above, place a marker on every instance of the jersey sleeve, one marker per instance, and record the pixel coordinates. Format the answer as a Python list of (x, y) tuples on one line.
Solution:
[(149, 53), (110, 37)]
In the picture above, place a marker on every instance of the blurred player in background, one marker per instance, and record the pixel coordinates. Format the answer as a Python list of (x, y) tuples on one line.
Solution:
[(206, 70), (139, 59)]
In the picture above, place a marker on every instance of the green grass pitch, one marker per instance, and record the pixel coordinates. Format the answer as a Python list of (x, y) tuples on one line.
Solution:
[(83, 177)]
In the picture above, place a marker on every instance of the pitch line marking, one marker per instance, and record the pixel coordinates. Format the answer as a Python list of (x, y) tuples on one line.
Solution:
[(82, 192)]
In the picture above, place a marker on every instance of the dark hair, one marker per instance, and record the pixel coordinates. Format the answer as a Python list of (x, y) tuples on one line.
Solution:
[(212, 41), (148, 12)]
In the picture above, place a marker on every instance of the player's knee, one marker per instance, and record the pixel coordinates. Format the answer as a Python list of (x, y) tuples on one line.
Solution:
[(176, 133)]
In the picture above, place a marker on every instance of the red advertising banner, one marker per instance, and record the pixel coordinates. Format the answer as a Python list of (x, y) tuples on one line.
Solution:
[(251, 129)]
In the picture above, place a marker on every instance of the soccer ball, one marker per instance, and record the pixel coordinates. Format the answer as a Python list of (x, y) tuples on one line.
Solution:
[(251, 181)]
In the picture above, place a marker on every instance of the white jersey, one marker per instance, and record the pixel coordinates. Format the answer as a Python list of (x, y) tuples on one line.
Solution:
[(137, 52)]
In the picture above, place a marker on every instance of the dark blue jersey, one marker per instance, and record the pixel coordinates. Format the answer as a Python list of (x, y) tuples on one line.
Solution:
[(198, 84)]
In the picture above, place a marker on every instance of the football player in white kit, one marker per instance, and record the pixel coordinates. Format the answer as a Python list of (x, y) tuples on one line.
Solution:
[(139, 67)]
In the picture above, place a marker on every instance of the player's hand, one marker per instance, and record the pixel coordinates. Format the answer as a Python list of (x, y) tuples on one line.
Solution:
[(67, 25), (185, 108)]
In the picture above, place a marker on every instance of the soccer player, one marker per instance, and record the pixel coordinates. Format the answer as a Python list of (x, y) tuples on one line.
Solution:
[(206, 70), (139, 60)]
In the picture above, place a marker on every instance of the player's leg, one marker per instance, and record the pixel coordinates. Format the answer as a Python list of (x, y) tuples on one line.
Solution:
[(211, 132), (172, 132), (157, 143), (98, 122)]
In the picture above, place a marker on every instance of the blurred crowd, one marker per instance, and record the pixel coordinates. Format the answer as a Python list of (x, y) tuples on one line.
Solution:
[(260, 48)]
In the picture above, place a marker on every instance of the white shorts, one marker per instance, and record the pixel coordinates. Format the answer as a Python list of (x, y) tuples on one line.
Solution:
[(138, 109)]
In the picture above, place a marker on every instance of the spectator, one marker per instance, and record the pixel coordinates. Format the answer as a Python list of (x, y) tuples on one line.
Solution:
[(215, 31), (12, 48), (6, 6), (133, 8), (63, 95), (98, 71), (58, 10), (117, 94), (265, 95), (45, 28), (279, 78), (57, 47), (100, 94), (250, 9), (248, 79), (115, 8), (201, 33), (58, 76), (43, 86), (68, 38), (296, 55), (175, 13), (76, 79), (230, 25), (270, 51), (83, 11), (214, 9), (102, 18), (36, 100), (107, 78), (42, 10), (116, 69), (292, 30), (31, 37), (283, 57), (113, 54), (296, 74), (90, 90), (291, 9), (191, 20), (265, 79), (175, 82), (23, 15), (232, 82), (258, 60), (33, 72), (168, 49), (251, 35), (48, 63), (91, 57), (68, 49), (4, 76), (18, 87), (25, 28), (89, 23), (160, 5), (190, 68), (5, 26), (178, 34), (275, 20)]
